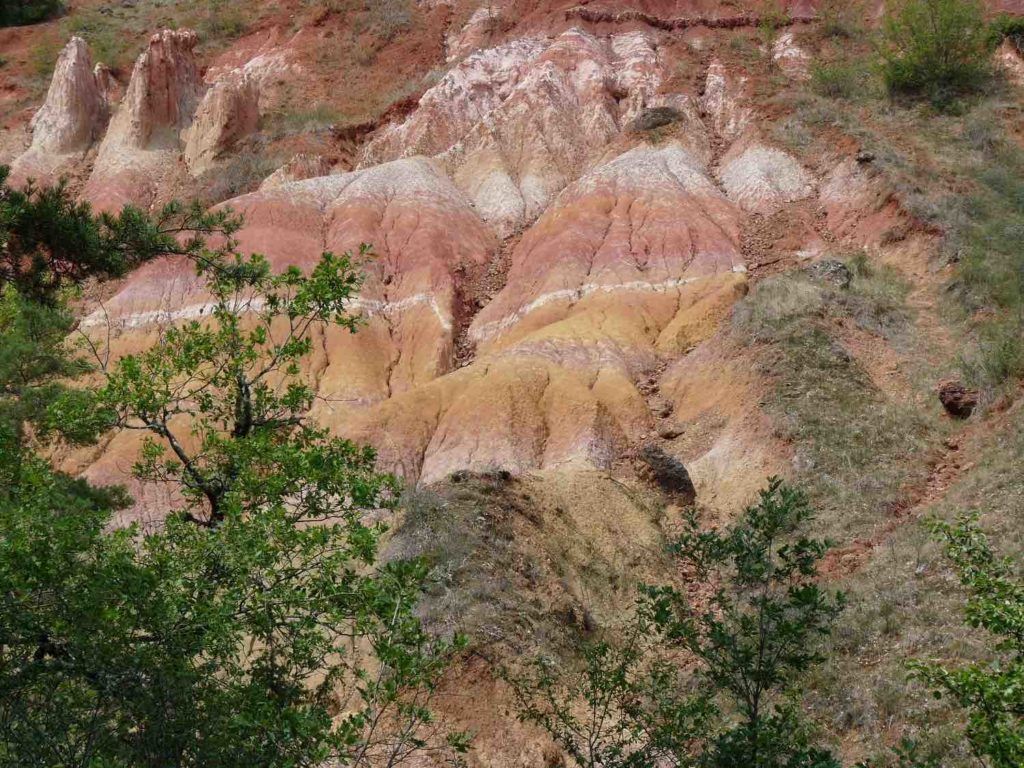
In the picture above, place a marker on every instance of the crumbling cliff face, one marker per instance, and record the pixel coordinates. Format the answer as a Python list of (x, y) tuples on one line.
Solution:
[(560, 223), (558, 220)]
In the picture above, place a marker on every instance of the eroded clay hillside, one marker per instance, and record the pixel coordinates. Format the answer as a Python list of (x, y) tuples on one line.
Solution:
[(557, 222), (567, 202)]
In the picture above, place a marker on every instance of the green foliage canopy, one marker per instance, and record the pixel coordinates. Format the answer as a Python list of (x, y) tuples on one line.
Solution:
[(255, 625)]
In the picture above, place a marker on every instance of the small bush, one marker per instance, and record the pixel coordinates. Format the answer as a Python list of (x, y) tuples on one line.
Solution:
[(107, 38), (222, 21), (935, 48), (42, 57), (838, 19), (1009, 27), (388, 18), (240, 174), (836, 81), (655, 117), (16, 12), (290, 122)]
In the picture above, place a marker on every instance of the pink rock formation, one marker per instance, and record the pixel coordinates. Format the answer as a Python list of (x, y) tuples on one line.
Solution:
[(423, 231), (629, 256), (300, 167), (143, 143), (762, 179), (228, 113), (71, 119), (630, 263), (725, 102), (623, 267), (1011, 58), (517, 123)]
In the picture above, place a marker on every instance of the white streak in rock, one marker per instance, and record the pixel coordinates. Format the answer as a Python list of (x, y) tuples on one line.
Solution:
[(494, 327), (371, 307)]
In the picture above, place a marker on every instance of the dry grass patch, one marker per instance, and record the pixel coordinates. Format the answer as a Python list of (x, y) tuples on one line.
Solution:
[(857, 448)]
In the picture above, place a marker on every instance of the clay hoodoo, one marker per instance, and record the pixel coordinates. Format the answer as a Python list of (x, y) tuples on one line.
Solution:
[(144, 140), (71, 119), (228, 113)]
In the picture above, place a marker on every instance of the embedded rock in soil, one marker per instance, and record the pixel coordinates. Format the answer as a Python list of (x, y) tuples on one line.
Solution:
[(669, 473), (957, 399), (670, 431), (71, 119), (655, 117), (144, 140), (831, 271)]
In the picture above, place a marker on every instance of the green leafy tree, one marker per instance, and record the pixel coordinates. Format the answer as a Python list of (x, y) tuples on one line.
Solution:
[(935, 48), (49, 245), (16, 12), (49, 241), (759, 632), (990, 692), (256, 626), (628, 706), (752, 640)]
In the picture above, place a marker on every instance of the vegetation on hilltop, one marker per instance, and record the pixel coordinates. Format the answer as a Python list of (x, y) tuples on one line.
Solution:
[(18, 12)]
